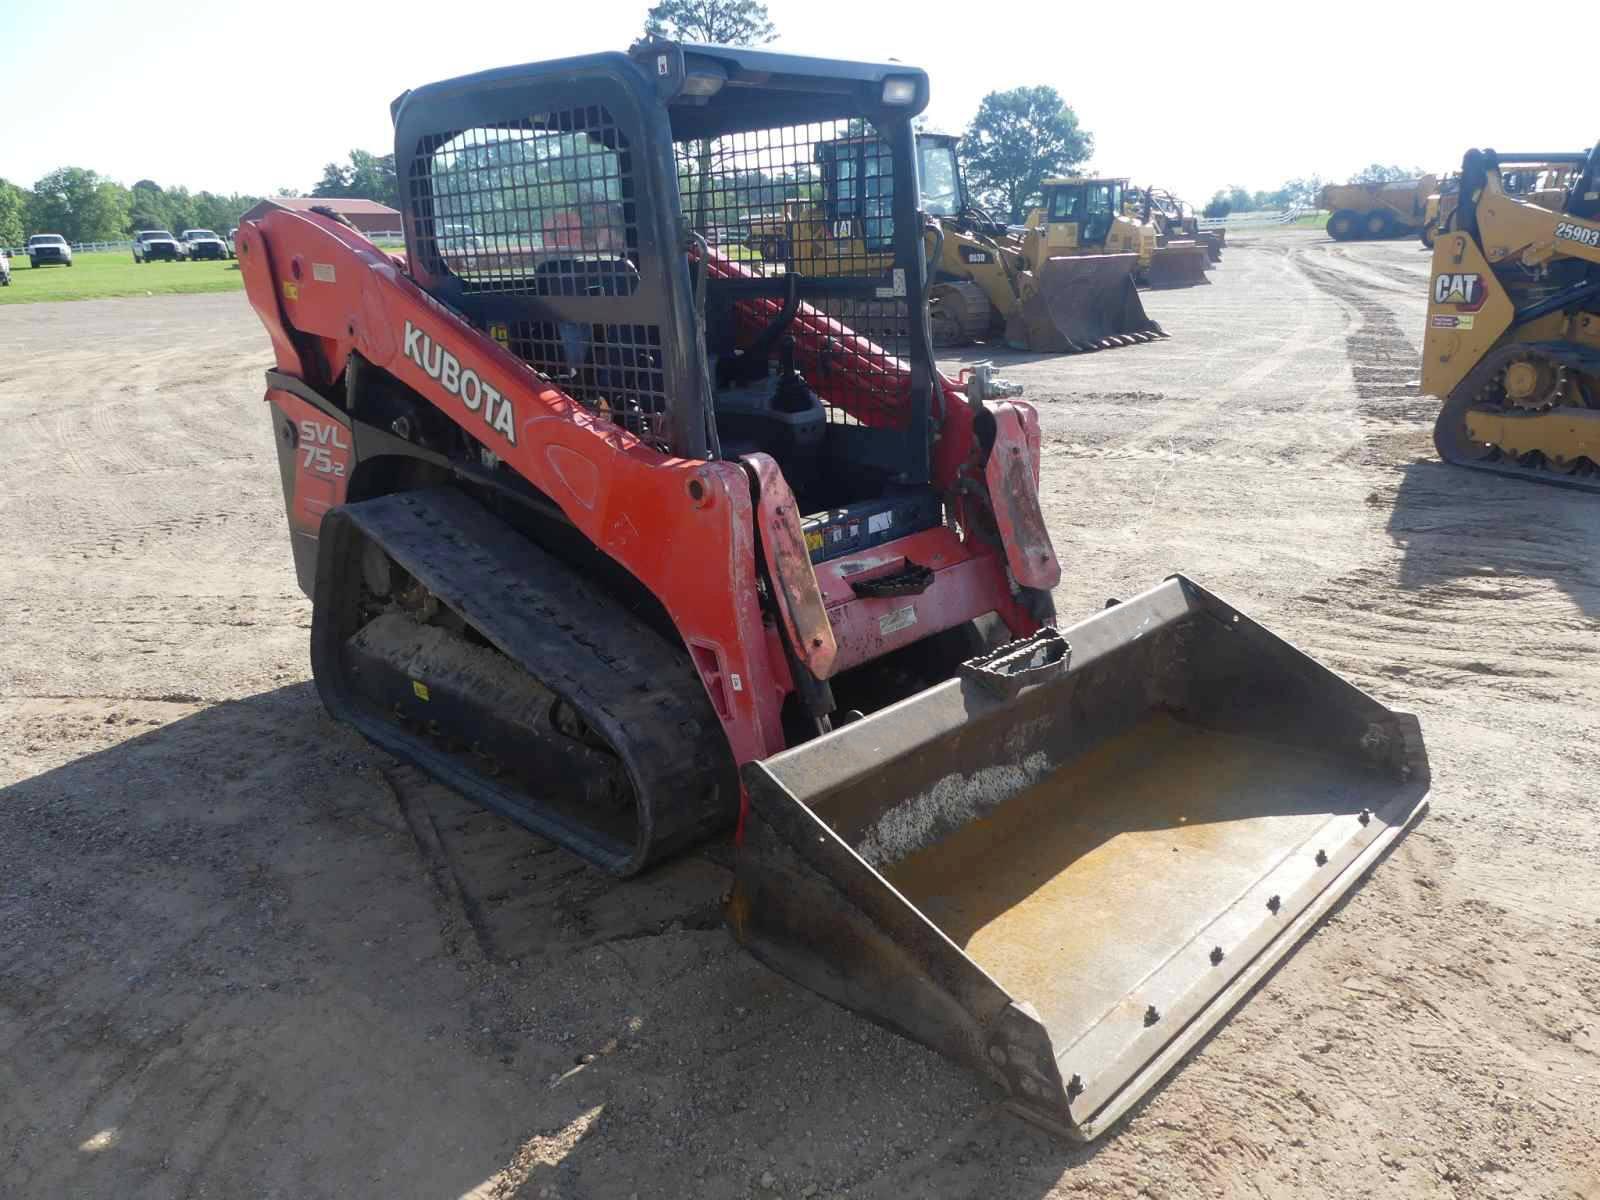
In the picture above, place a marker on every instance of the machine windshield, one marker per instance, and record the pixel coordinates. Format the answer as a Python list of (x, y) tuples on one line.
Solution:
[(1067, 203), (941, 190)]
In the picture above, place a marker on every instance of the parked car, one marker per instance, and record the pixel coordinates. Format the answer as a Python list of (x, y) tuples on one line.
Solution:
[(48, 248), (5, 268), (202, 243), (153, 245), (233, 241)]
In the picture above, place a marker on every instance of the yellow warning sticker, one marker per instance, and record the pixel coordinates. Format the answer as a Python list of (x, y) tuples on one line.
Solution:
[(291, 290), (420, 688), (813, 540), (500, 333)]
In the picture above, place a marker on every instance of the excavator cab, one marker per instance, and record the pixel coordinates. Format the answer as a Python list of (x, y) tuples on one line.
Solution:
[(635, 536)]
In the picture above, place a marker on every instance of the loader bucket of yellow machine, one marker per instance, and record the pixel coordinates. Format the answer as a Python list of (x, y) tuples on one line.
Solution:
[(1177, 264), (1078, 303), (1067, 864)]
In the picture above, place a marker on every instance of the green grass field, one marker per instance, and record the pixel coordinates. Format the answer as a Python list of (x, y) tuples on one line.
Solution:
[(114, 273)]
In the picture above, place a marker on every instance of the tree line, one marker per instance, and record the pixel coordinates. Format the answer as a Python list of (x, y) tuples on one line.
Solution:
[(84, 206)]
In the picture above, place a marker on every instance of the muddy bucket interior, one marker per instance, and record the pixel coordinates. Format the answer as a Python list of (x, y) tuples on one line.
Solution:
[(1083, 302), (1067, 886)]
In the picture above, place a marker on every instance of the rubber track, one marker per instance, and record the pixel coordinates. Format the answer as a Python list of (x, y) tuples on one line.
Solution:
[(631, 686), (1448, 430)]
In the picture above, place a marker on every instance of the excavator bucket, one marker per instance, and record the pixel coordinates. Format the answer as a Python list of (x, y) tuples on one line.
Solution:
[(1067, 864), (1177, 264), (1080, 303)]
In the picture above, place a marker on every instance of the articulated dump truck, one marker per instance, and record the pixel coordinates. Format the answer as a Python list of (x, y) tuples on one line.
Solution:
[(631, 537)]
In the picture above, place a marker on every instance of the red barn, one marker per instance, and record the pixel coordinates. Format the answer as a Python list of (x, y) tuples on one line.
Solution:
[(366, 215)]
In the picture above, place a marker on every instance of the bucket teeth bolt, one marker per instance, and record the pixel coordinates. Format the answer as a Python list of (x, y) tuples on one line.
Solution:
[(1151, 1016), (1274, 903), (1366, 816), (1322, 858), (1074, 1087), (1216, 955)]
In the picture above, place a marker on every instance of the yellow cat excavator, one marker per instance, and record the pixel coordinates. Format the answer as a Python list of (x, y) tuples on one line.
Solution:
[(1512, 345)]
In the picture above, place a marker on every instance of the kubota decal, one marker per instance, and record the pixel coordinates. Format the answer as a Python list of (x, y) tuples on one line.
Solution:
[(1577, 233), (461, 382), (1464, 289)]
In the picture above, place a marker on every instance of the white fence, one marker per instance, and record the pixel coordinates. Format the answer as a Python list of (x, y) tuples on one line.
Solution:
[(1244, 220)]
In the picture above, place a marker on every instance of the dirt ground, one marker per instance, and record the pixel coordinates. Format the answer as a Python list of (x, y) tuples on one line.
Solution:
[(242, 954)]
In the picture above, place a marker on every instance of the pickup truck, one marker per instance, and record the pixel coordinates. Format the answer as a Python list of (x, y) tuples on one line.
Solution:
[(151, 245), (202, 243), (48, 248)]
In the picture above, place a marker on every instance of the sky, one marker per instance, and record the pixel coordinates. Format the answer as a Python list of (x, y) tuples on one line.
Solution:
[(236, 97)]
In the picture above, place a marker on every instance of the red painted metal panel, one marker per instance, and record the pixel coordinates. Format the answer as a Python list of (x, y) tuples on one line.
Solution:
[(321, 452), (783, 543), (1012, 474)]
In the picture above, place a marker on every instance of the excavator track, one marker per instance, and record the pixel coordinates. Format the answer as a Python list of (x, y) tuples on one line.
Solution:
[(456, 644), (1558, 444), (960, 313)]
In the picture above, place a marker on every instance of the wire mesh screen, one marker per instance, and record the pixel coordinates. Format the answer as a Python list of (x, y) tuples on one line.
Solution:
[(814, 201), (546, 207)]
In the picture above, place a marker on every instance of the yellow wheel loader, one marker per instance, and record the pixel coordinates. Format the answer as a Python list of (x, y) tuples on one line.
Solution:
[(986, 281), (1174, 220), (1087, 216), (1512, 345), (1039, 300)]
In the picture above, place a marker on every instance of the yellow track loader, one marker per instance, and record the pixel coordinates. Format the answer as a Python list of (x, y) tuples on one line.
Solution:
[(1512, 345)]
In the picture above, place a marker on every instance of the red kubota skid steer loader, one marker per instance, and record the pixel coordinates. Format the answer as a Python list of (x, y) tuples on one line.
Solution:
[(618, 529)]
